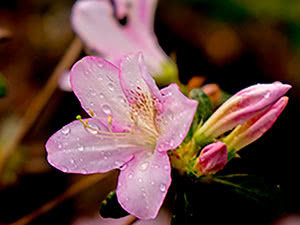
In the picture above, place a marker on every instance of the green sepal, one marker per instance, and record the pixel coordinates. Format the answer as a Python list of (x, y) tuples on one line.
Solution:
[(3, 86), (110, 207), (204, 110)]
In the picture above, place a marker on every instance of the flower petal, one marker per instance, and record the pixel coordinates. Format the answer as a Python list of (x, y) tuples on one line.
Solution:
[(96, 84), (76, 149), (176, 119), (64, 81), (141, 11), (143, 184), (94, 22), (134, 78)]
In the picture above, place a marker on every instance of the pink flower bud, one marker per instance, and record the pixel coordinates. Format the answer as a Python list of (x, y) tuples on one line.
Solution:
[(255, 127), (212, 158), (242, 107)]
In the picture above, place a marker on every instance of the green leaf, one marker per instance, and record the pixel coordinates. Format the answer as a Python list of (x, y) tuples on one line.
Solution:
[(110, 207), (204, 110), (3, 86), (252, 187)]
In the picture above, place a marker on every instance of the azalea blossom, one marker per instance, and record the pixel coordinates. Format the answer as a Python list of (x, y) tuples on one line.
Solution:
[(254, 128), (132, 126), (212, 158), (97, 24), (241, 107)]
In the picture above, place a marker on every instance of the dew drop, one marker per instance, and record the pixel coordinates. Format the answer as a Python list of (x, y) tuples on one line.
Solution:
[(101, 95), (267, 95), (72, 161), (123, 167), (152, 182), (84, 171), (144, 166), (166, 167), (93, 129), (93, 93), (105, 157), (106, 109), (80, 148), (66, 131), (140, 180), (171, 143), (110, 86), (130, 176), (64, 169), (99, 64), (162, 188), (59, 146)]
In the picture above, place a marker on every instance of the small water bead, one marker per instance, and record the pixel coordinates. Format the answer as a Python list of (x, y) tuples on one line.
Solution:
[(123, 167), (152, 182), (93, 93), (162, 188), (140, 180), (106, 109), (80, 148), (59, 146), (66, 130), (166, 167), (130, 176), (144, 166), (92, 129), (72, 161), (99, 64), (101, 95), (110, 86)]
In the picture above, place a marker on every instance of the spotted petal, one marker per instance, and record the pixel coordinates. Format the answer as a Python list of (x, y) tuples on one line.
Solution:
[(96, 84), (143, 184), (174, 122), (135, 78), (76, 149)]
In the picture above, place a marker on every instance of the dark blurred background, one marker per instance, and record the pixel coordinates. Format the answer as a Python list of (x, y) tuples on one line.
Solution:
[(234, 43)]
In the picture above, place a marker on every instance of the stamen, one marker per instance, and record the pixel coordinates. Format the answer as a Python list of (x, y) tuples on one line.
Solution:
[(99, 132)]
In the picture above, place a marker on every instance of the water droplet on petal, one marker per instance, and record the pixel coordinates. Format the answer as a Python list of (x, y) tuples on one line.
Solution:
[(101, 95), (171, 143), (152, 182), (130, 176), (106, 109), (140, 180), (110, 86), (59, 146), (123, 167), (166, 167), (144, 166), (162, 188), (99, 64), (72, 161), (84, 171), (93, 93), (66, 130), (80, 148), (105, 157), (267, 95), (93, 129)]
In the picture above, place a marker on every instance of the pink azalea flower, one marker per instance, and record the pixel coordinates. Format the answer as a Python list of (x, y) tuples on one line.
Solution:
[(254, 128), (94, 22), (133, 125), (240, 108), (212, 158)]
